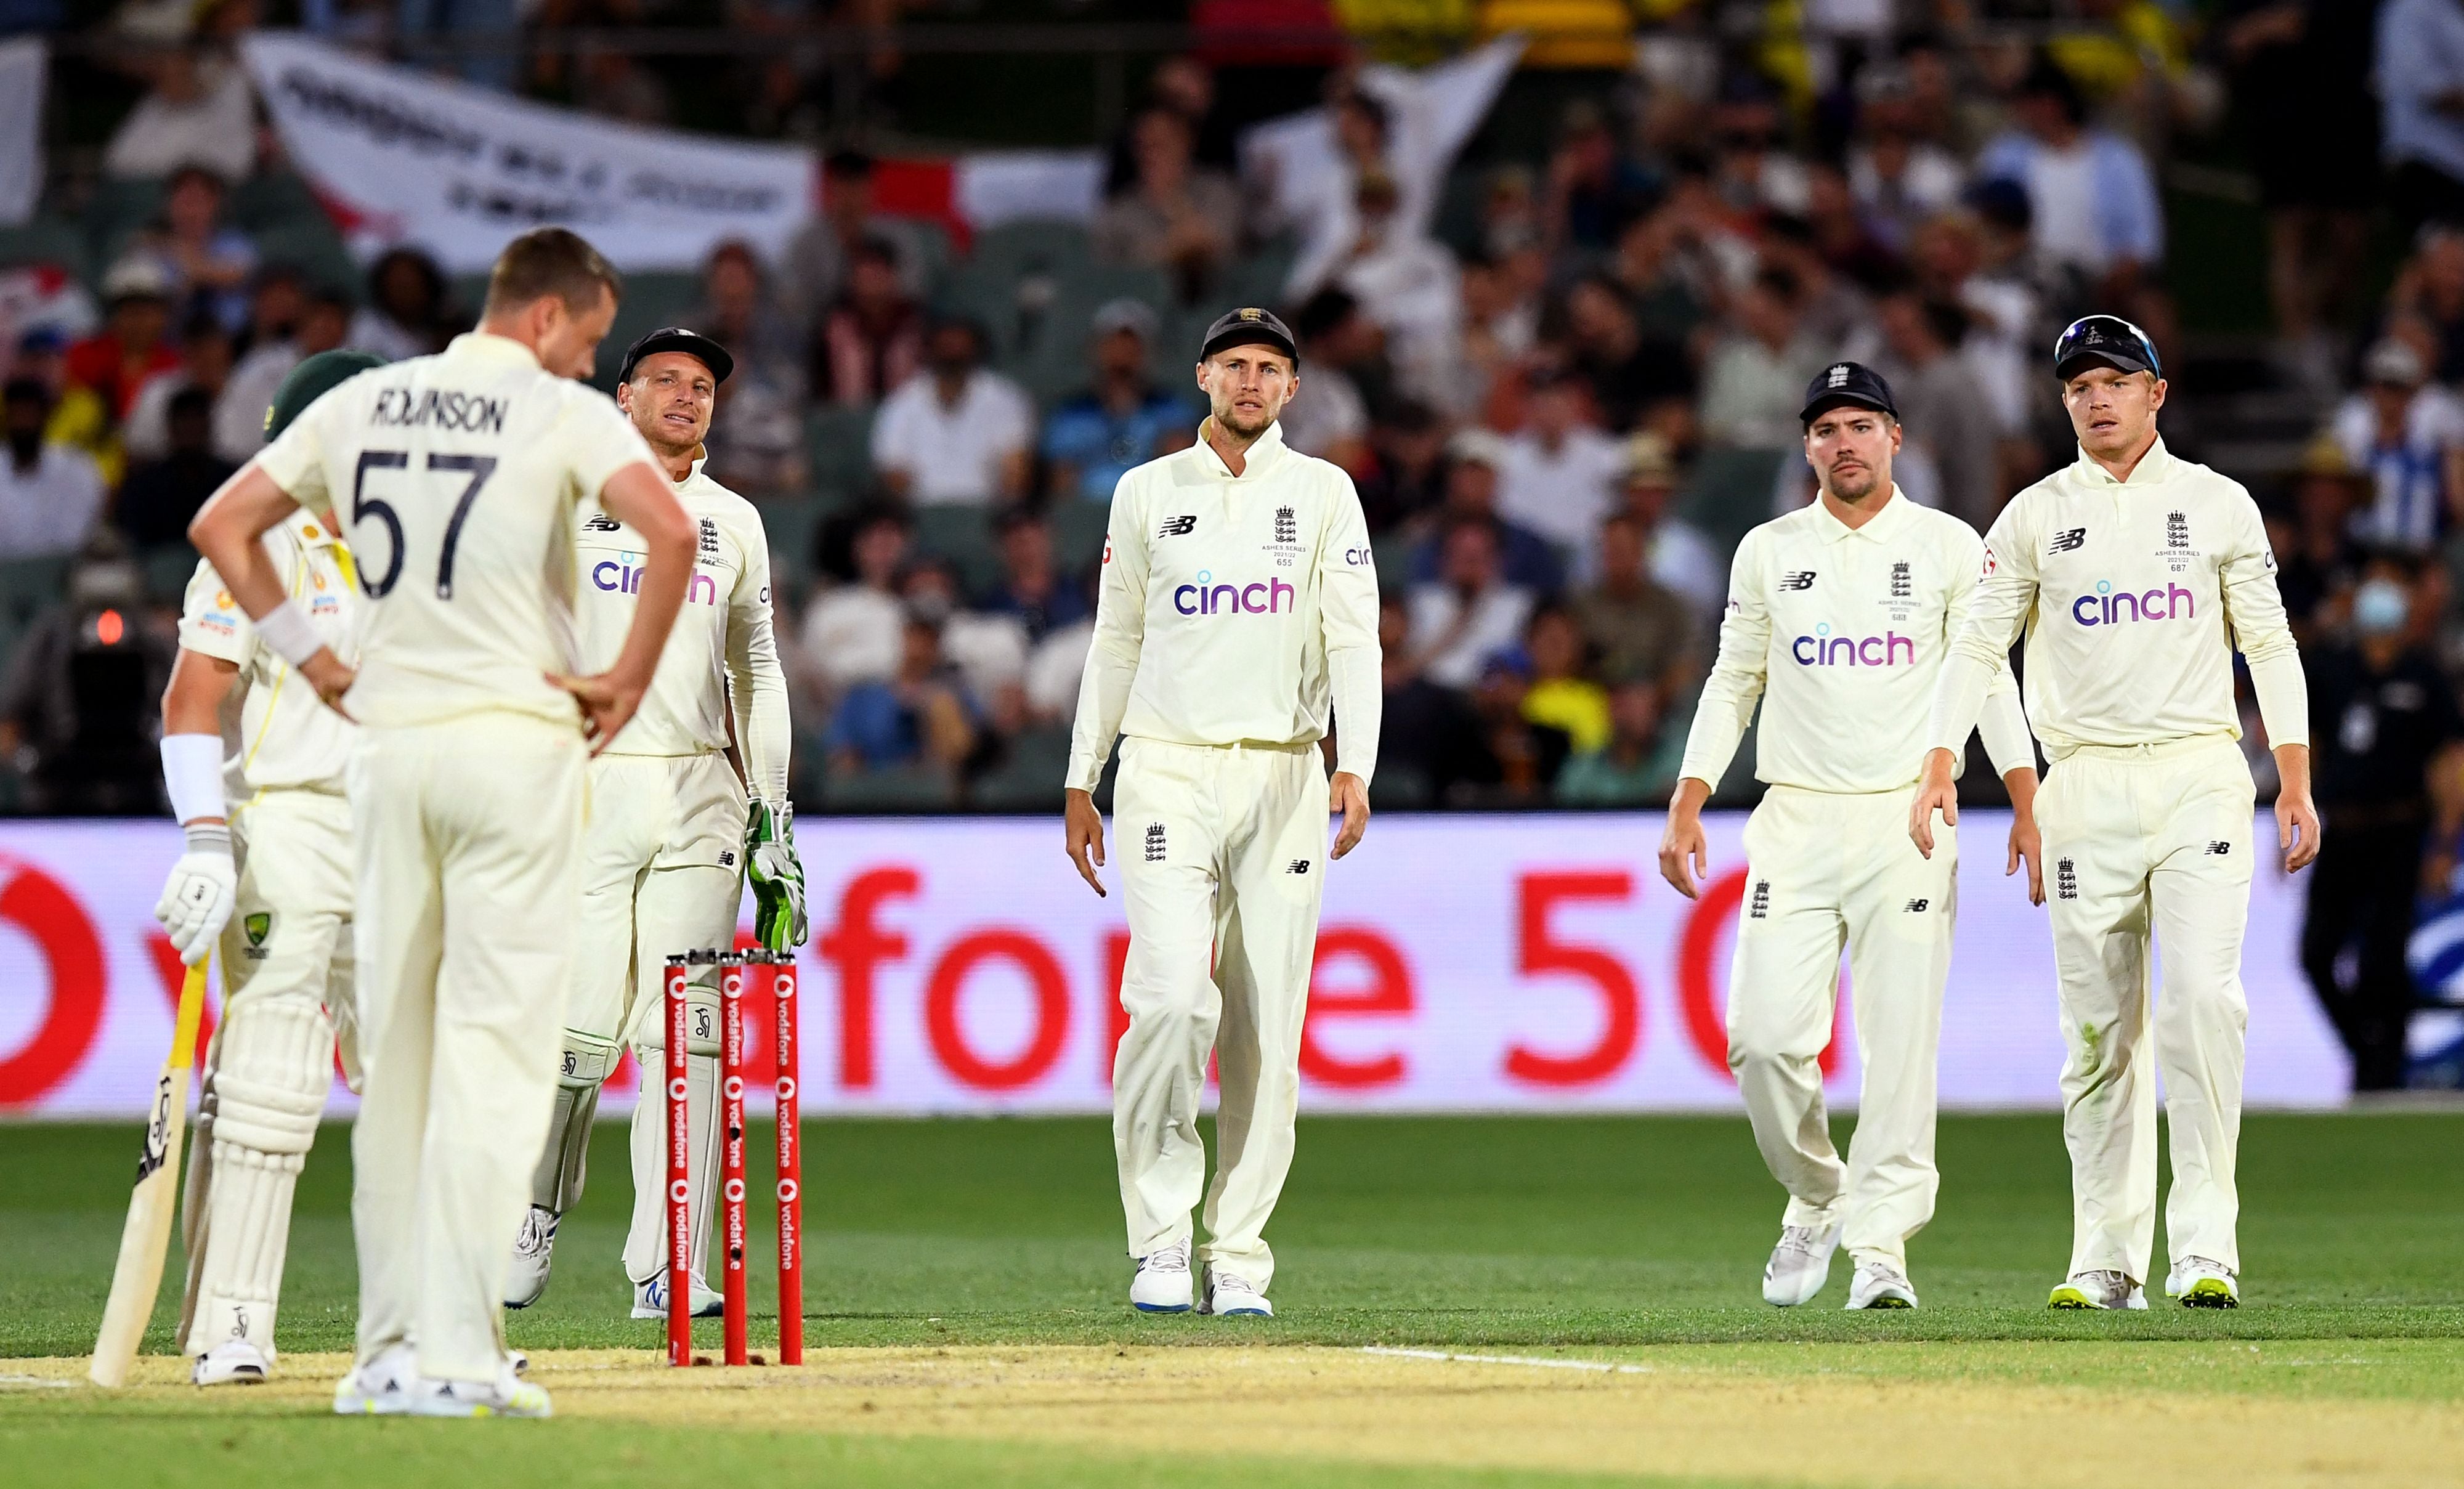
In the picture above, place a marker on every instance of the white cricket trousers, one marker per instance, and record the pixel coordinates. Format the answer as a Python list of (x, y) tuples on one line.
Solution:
[(1223, 855), (2142, 839), (1826, 872), (468, 837)]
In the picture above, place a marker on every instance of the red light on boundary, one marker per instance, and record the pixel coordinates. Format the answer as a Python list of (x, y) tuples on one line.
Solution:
[(109, 627)]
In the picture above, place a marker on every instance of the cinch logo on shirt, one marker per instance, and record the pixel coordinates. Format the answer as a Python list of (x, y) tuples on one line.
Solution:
[(2110, 606), (1825, 650), (610, 577), (1270, 597)]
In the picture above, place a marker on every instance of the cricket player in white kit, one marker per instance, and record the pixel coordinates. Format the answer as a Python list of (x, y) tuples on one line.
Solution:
[(1238, 605), (2135, 576), (458, 479), (665, 848), (1840, 616), (253, 760)]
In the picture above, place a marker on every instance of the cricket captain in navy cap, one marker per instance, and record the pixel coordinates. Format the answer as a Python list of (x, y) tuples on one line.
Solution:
[(1839, 615)]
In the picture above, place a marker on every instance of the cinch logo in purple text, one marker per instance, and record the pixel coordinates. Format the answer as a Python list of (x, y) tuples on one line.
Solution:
[(1268, 597), (623, 579), (1824, 649), (2109, 607)]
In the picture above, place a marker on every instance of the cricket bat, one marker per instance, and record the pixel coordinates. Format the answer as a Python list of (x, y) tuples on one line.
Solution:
[(153, 1203)]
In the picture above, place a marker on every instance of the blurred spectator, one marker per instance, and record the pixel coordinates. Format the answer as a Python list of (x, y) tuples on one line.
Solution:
[(162, 494), (1475, 460), (2383, 716), (1562, 694), (443, 20), (1123, 419), (275, 302), (1469, 611), (1755, 378), (1183, 85), (920, 715), (2409, 434), (1592, 188), (1435, 736), (1170, 215), (1638, 765), (1752, 172), (78, 710), (2319, 564), (1999, 350), (1404, 283), (1637, 627), (1628, 373), (1409, 481), (131, 346), (80, 417), (1681, 558), (757, 436), (1942, 410), (206, 260), (871, 340), (239, 417), (2092, 198), (1555, 476), (955, 432), (198, 110), (1899, 178), (1837, 231), (1495, 329), (2429, 289), (851, 631), (50, 494), (205, 368), (1032, 588), (405, 313), (1524, 757), (821, 259), (2419, 68), (1327, 416), (985, 650), (1665, 289)]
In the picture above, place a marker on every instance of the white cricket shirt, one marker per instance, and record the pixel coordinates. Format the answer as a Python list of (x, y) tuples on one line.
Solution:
[(1234, 609), (2134, 596), (277, 735), (722, 655), (1840, 632), (456, 477)]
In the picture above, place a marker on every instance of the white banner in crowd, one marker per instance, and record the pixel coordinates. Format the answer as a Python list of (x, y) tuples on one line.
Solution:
[(1525, 963), (403, 157)]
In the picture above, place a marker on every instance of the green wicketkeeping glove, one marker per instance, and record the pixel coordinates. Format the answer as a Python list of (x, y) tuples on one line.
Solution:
[(778, 876)]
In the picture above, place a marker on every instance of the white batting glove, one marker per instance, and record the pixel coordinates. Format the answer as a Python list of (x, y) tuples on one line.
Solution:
[(198, 897)]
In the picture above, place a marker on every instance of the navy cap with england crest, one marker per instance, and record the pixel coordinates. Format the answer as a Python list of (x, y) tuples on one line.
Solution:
[(2104, 341), (1249, 326), (1846, 383)]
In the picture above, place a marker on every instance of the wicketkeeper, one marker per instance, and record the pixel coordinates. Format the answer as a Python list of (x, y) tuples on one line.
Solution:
[(253, 760), (671, 832)]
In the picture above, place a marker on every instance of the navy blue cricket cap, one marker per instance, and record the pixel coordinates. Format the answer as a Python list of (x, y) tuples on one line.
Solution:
[(1846, 383), (1249, 326), (677, 338), (2104, 341)]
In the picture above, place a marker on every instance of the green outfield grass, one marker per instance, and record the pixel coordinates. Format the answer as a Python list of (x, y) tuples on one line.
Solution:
[(1632, 1240)]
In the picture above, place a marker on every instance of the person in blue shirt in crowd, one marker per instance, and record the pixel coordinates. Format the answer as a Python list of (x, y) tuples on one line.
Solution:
[(1123, 420)]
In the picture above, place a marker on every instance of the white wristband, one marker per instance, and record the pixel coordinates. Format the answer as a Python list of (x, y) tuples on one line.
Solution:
[(286, 630), (192, 768)]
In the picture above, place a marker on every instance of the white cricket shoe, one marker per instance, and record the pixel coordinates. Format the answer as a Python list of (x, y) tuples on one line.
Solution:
[(2099, 1290), (1879, 1284), (1161, 1284), (507, 1395), (650, 1299), (534, 1246), (1228, 1297), (234, 1362), (2201, 1283), (383, 1387), (1800, 1264)]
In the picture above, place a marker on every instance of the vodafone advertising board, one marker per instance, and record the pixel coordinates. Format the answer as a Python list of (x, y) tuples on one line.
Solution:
[(1467, 963)]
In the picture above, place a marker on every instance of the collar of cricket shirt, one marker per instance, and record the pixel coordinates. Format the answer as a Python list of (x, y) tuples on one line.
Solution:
[(2153, 467), (487, 344), (1265, 453), (1879, 527)]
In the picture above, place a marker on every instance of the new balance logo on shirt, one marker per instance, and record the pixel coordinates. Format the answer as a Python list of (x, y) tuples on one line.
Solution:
[(1918, 907), (2219, 849), (2068, 540), (1300, 866), (602, 522), (1800, 578), (1179, 527)]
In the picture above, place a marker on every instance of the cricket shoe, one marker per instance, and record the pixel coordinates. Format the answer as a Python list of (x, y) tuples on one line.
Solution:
[(383, 1387), (234, 1362), (650, 1299), (1879, 1284), (1234, 1297), (2201, 1283), (534, 1247), (1161, 1284), (2098, 1290), (1800, 1264), (507, 1395)]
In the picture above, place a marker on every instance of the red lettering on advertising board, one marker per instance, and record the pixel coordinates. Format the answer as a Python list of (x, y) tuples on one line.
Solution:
[(173, 974), (856, 946), (37, 903), (947, 1033), (1700, 993), (1539, 952), (1117, 1014), (1388, 991)]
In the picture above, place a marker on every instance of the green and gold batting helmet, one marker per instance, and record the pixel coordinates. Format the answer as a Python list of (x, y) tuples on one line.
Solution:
[(312, 379)]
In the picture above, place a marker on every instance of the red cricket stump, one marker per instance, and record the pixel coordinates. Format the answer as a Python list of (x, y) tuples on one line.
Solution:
[(731, 1127), (791, 1167), (679, 1174)]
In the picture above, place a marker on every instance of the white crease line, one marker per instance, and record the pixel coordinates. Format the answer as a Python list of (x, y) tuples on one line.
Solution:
[(1601, 1366), (43, 1381)]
